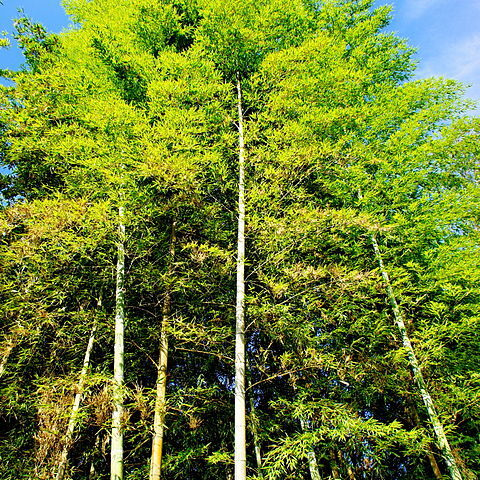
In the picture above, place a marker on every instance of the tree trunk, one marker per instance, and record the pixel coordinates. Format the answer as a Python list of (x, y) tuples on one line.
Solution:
[(313, 466), (335, 471), (440, 437), (312, 459), (433, 463), (160, 406), (92, 472), (240, 421), (256, 441), (63, 463), (345, 465), (413, 413), (350, 473), (116, 459)]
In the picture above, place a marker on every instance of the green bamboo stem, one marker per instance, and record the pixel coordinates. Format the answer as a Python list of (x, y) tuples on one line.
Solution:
[(439, 432)]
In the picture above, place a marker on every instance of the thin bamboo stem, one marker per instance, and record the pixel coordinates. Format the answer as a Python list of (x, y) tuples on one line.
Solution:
[(73, 419), (240, 457), (311, 458), (116, 459), (440, 437), (160, 400), (256, 440)]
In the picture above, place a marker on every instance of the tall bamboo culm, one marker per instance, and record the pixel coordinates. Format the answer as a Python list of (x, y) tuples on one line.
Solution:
[(161, 391), (439, 432), (240, 459), (116, 456), (73, 419)]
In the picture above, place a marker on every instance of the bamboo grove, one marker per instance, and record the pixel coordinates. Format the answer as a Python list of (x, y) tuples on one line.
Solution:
[(238, 240)]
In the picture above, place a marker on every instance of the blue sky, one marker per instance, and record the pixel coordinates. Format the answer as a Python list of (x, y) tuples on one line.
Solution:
[(446, 33)]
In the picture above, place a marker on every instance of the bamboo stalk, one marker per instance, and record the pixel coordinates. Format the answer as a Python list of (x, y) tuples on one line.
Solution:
[(116, 459), (256, 440), (160, 400), (311, 458), (334, 466), (345, 464), (240, 459), (73, 419), (92, 473), (440, 437), (415, 417)]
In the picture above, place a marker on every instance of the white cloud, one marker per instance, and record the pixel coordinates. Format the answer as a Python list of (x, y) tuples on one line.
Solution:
[(459, 61), (465, 58)]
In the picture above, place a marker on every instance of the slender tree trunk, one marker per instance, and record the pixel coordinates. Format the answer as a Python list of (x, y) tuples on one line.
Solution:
[(345, 464), (350, 473), (92, 473), (335, 471), (311, 458), (313, 466), (160, 404), (434, 464), (431, 457), (440, 437), (240, 417), (63, 463), (256, 441), (116, 459)]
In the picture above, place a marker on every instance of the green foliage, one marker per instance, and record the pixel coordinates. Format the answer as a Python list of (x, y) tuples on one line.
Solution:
[(36, 43)]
